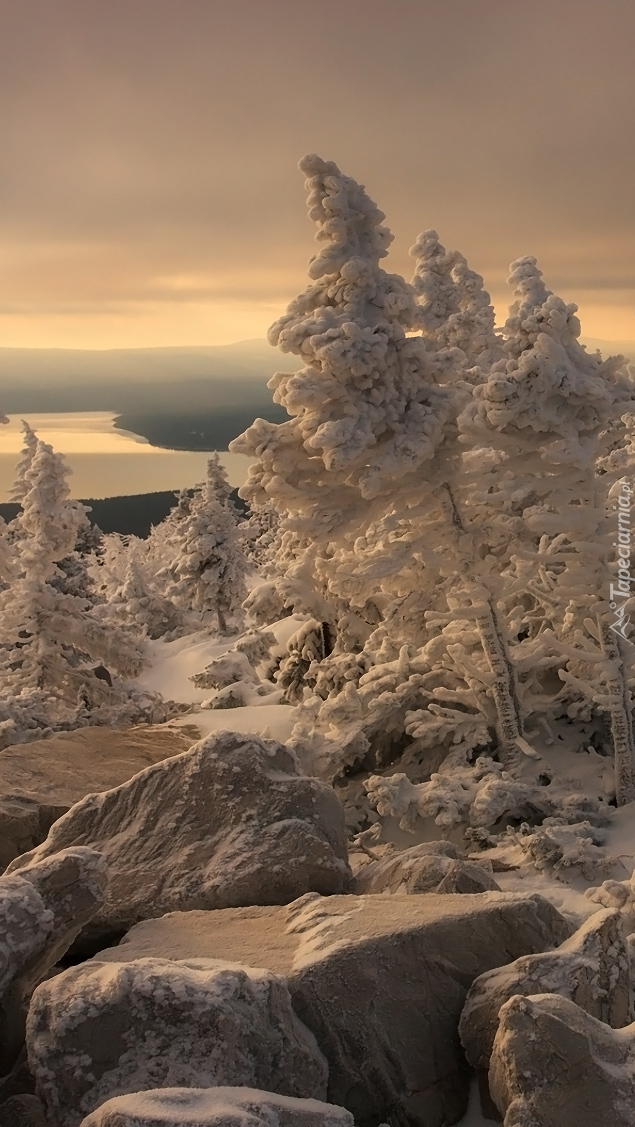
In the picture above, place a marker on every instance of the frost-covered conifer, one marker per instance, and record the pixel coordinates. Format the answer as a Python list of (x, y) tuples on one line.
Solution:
[(210, 566), (52, 643), (75, 576), (364, 472), (546, 417), (366, 412), (138, 603), (6, 554), (455, 308), (19, 486)]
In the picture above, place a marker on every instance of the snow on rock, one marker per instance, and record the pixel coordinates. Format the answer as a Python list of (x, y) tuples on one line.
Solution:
[(617, 894), (224, 671), (215, 1107), (271, 721), (41, 780), (103, 1029), (591, 968), (433, 866), (42, 909), (229, 822), (555, 1066), (380, 980)]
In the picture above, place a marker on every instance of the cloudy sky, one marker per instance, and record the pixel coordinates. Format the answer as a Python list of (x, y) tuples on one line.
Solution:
[(150, 193)]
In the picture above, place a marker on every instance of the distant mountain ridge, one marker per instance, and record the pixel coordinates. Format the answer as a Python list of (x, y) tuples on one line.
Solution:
[(138, 379), (159, 381)]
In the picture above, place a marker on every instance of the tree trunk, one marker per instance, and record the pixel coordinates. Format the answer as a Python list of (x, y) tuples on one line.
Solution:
[(621, 716), (504, 689)]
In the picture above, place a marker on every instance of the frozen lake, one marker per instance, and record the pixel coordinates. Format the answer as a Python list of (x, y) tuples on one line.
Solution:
[(107, 462)]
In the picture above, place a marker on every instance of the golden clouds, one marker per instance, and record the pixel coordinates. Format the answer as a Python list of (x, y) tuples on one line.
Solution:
[(148, 154)]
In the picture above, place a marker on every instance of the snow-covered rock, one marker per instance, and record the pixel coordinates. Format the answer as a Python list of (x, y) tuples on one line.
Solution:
[(433, 866), (555, 1066), (380, 980), (40, 781), (618, 894), (42, 909), (215, 1107), (103, 1029), (591, 969), (229, 822)]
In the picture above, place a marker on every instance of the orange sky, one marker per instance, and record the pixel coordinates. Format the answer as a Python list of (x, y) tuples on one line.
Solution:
[(149, 147)]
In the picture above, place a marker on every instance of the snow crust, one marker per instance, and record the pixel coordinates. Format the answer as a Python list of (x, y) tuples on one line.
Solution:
[(215, 1107)]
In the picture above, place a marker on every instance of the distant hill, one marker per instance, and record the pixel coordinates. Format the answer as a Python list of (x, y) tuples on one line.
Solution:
[(199, 430), (158, 380), (178, 398), (130, 516)]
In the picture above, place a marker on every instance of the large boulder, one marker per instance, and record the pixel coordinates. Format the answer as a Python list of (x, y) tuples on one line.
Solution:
[(230, 822), (591, 968), (380, 980), (41, 911), (215, 1107), (103, 1029), (40, 781), (555, 1066)]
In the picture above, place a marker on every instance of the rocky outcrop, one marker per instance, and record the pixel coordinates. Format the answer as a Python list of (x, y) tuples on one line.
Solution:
[(215, 1107), (555, 1066), (591, 969), (41, 911), (433, 866), (380, 980), (104, 1029), (229, 822), (40, 781)]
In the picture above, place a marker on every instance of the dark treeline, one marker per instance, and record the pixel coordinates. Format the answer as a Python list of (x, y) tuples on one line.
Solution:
[(129, 516), (198, 430)]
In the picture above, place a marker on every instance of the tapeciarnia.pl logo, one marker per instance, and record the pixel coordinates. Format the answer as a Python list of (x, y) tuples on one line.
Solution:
[(622, 591)]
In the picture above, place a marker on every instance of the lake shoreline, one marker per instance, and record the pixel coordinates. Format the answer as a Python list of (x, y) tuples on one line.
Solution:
[(110, 462)]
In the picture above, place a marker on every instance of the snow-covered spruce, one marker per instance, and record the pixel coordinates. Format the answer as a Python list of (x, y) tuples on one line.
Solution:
[(209, 566), (365, 411), (363, 500), (455, 308), (56, 654), (549, 416)]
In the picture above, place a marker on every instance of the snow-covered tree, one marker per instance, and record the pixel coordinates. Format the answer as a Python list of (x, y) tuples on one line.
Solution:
[(6, 554), (209, 566), (53, 647), (138, 603), (19, 487), (366, 412), (545, 418), (362, 473), (455, 308)]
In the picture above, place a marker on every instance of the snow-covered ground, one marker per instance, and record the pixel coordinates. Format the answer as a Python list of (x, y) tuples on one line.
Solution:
[(174, 663)]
